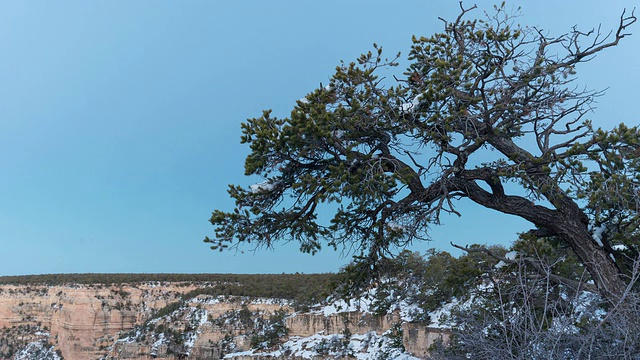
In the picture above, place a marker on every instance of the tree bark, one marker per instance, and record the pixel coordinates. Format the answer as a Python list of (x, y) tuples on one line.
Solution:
[(568, 222), (596, 260)]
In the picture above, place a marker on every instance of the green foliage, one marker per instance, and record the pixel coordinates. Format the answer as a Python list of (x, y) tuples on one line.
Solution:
[(613, 192), (303, 289), (384, 159), (273, 332), (115, 279), (168, 309), (427, 282), (553, 253), (14, 339), (396, 335)]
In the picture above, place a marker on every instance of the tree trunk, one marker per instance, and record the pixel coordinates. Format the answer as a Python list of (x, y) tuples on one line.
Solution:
[(595, 259), (568, 222)]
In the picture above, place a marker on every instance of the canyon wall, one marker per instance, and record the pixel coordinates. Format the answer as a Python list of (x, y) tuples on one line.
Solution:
[(155, 320), (81, 320)]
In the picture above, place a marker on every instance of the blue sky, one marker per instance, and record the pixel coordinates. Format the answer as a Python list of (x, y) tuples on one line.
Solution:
[(120, 120)]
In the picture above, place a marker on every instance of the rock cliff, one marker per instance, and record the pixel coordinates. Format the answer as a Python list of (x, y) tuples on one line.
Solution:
[(79, 320), (155, 320)]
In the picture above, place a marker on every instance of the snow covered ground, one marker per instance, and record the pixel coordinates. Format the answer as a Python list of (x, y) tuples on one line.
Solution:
[(37, 350), (358, 346)]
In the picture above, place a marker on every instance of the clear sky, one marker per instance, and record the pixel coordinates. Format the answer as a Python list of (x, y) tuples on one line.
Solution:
[(120, 120)]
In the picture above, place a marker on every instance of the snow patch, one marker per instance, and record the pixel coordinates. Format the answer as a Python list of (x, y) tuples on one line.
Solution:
[(500, 265), (37, 350), (197, 318), (362, 304), (262, 187), (597, 233), (438, 317), (620, 247), (408, 312), (395, 226), (154, 347), (410, 106), (358, 346)]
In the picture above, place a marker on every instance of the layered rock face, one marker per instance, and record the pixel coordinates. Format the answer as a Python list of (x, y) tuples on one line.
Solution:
[(79, 320), (416, 338), (155, 320)]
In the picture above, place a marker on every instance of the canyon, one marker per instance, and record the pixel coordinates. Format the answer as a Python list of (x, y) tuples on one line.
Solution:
[(179, 320)]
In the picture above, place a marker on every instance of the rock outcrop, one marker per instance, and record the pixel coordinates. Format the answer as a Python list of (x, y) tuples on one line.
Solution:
[(79, 320), (155, 320)]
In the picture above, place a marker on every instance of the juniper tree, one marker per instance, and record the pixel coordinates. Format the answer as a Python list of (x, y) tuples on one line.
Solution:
[(483, 104)]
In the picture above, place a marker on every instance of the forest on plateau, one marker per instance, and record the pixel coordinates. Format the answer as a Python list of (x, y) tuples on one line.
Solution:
[(301, 288)]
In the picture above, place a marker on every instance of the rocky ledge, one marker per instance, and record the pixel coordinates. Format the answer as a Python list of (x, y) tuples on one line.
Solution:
[(178, 320)]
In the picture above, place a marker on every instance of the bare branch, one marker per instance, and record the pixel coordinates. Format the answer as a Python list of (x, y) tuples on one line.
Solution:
[(534, 263)]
